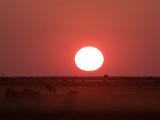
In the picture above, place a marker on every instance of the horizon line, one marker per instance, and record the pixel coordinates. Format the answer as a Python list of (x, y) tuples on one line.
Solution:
[(79, 77)]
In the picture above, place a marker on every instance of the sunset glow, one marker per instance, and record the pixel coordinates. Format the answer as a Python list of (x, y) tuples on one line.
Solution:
[(89, 59)]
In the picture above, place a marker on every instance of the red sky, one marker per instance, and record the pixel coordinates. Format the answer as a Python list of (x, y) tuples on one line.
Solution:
[(40, 37)]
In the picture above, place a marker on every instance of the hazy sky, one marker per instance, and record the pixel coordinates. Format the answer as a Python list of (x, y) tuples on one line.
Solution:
[(41, 37)]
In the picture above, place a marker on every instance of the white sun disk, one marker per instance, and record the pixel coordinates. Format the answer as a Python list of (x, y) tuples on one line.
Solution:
[(89, 59)]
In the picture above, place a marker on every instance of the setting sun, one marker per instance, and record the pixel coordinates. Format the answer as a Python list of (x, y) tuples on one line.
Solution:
[(89, 59)]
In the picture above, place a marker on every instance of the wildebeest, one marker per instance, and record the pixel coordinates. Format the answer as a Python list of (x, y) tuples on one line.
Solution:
[(25, 93), (30, 93), (51, 89)]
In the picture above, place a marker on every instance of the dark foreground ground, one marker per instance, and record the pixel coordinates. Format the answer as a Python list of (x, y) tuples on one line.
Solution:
[(79, 98)]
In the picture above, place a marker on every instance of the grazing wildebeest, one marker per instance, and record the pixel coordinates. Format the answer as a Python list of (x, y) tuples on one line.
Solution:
[(51, 89), (30, 93), (27, 93)]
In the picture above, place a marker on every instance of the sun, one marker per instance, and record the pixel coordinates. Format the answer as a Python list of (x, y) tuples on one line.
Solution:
[(89, 59)]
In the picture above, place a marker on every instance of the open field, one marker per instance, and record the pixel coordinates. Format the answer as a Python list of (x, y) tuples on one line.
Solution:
[(80, 98)]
